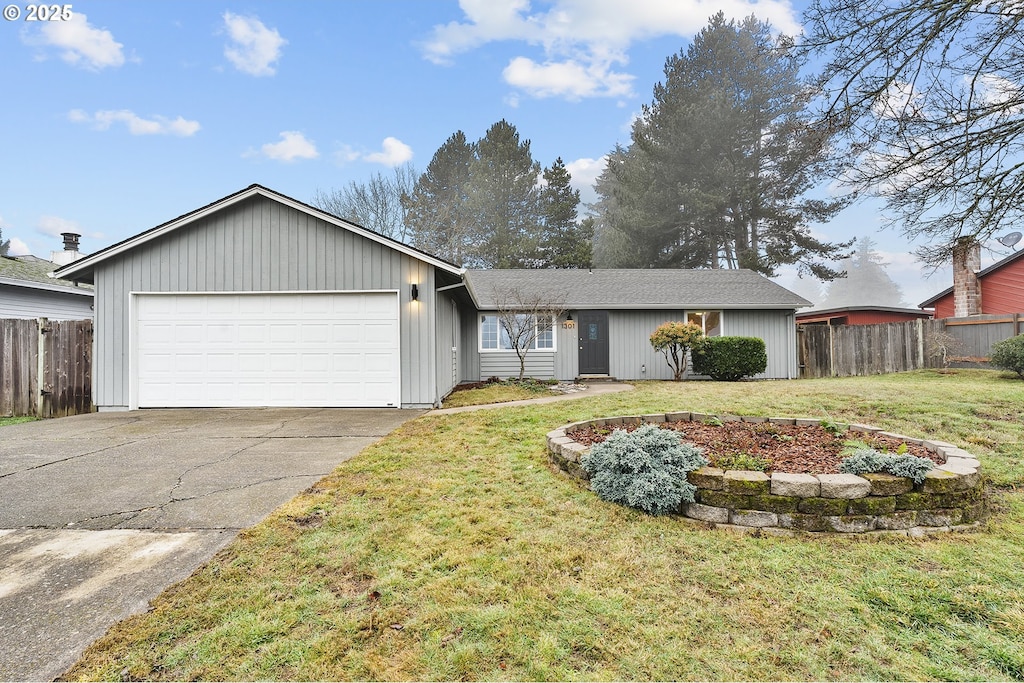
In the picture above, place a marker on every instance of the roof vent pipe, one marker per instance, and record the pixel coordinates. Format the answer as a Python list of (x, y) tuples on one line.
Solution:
[(70, 240)]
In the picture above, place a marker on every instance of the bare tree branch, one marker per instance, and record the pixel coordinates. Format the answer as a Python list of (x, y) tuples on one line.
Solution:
[(931, 97), (375, 204), (525, 316)]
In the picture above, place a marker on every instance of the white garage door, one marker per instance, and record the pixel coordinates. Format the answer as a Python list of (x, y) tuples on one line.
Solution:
[(248, 350)]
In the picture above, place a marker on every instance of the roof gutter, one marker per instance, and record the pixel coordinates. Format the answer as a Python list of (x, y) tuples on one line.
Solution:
[(31, 284)]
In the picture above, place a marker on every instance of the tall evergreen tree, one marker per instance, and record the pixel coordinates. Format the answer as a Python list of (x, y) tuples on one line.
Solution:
[(436, 208), (5, 245), (866, 282), (566, 240), (721, 161), (502, 199)]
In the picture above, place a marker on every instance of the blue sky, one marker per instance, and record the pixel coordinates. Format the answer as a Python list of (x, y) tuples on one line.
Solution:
[(132, 113)]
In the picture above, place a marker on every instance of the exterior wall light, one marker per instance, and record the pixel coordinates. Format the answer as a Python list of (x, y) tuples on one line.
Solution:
[(415, 292), (569, 322)]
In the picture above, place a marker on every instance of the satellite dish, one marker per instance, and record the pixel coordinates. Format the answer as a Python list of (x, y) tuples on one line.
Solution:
[(1009, 240)]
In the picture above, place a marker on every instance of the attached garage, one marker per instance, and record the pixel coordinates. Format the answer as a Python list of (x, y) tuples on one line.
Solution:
[(311, 349), (261, 300)]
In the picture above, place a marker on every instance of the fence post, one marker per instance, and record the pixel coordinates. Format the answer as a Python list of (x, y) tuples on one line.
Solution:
[(831, 351), (41, 330), (920, 345)]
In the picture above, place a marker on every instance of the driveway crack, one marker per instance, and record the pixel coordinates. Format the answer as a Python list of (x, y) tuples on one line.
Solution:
[(286, 422), (181, 477), (64, 460)]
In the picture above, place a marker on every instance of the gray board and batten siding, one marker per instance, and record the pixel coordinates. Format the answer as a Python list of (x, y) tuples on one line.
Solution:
[(636, 301), (631, 356), (260, 243)]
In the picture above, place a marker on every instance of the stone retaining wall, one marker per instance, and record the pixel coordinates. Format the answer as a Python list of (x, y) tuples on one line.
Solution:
[(951, 497)]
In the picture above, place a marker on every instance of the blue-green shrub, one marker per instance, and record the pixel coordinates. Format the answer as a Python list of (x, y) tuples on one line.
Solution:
[(1009, 354), (729, 359), (869, 460), (644, 469)]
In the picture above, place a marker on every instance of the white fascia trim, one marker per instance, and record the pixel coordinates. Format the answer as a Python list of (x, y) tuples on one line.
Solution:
[(31, 284), (71, 269)]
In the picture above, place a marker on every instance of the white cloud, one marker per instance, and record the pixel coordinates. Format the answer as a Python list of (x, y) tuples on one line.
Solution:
[(254, 48), (583, 40), (584, 174), (346, 154), (18, 248), (293, 145), (569, 79), (158, 125), (393, 152), (81, 44), (54, 226)]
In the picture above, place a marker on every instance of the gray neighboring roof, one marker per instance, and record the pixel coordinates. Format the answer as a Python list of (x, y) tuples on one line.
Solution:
[(632, 289), (34, 272)]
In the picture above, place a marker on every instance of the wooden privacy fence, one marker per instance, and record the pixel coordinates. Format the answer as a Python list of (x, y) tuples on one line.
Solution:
[(848, 350), (45, 367)]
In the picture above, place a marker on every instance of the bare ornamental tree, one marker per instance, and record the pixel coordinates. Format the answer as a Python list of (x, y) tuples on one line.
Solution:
[(527, 317)]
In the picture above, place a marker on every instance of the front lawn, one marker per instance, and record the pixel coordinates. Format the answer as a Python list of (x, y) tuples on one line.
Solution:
[(452, 550), (497, 392)]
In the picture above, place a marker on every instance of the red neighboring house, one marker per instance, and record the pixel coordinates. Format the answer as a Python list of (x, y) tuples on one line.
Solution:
[(860, 315), (1001, 290)]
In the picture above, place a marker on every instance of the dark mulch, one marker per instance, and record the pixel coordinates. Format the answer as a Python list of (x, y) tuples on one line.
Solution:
[(787, 448)]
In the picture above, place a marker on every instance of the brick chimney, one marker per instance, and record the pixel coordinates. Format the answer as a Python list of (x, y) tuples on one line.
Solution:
[(966, 286)]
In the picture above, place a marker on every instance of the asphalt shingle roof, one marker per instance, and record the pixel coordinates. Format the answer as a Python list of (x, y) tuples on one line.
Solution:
[(32, 269), (622, 288)]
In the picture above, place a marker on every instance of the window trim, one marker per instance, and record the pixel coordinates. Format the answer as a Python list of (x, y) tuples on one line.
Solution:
[(532, 349), (721, 318)]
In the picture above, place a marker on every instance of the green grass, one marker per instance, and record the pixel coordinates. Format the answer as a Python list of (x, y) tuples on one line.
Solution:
[(4, 421), (452, 550), (498, 392)]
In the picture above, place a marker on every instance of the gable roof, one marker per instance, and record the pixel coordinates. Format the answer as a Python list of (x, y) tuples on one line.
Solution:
[(627, 288), (981, 273), (82, 268), (34, 273)]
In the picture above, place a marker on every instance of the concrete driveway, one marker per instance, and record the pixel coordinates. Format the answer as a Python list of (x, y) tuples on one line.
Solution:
[(101, 512)]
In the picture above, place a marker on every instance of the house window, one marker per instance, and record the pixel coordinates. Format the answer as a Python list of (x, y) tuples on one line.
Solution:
[(494, 336), (710, 322)]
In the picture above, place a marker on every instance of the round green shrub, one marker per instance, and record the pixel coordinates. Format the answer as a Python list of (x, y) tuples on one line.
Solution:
[(728, 359), (1009, 354), (644, 469)]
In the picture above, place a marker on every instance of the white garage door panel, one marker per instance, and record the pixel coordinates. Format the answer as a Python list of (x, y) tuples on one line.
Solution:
[(228, 350)]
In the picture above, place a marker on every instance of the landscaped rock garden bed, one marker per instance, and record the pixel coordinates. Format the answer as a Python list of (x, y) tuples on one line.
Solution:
[(794, 482)]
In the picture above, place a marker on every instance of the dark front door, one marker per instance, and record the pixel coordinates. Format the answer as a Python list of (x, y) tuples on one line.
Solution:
[(593, 342)]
